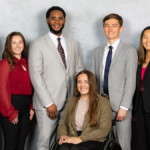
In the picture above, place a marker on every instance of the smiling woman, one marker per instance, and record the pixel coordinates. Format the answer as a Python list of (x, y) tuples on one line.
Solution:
[(87, 117), (141, 102), (15, 92)]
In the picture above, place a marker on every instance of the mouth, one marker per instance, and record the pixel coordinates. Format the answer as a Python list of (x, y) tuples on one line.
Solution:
[(18, 49), (57, 27)]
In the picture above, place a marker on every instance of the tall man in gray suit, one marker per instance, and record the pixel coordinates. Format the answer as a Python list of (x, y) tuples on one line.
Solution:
[(114, 66), (54, 61)]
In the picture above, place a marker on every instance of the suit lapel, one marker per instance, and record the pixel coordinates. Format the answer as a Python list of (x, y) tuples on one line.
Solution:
[(73, 122), (117, 53), (68, 47), (54, 49), (139, 76), (146, 71)]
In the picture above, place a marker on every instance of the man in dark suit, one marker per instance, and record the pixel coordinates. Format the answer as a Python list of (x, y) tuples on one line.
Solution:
[(114, 66)]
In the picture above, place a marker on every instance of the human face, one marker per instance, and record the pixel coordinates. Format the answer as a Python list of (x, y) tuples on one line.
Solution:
[(146, 39), (112, 30), (83, 85), (17, 46), (56, 22)]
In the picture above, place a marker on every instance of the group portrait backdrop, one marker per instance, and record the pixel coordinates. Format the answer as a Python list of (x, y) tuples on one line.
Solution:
[(83, 23)]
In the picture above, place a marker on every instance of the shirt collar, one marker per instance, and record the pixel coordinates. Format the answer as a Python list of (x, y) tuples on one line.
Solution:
[(113, 45), (54, 37)]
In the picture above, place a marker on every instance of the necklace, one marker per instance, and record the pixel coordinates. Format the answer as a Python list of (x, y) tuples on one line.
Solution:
[(84, 106)]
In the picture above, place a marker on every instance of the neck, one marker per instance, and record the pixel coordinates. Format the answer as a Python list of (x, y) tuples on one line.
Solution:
[(112, 41), (18, 56), (85, 97)]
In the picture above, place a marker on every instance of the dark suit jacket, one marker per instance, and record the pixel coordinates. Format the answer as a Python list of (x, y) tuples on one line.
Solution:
[(67, 125), (145, 88)]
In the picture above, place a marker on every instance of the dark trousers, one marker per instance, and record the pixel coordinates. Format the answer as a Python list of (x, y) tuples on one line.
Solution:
[(15, 134), (142, 121), (89, 145)]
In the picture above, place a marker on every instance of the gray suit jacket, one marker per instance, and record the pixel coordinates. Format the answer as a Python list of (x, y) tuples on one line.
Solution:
[(51, 81), (121, 77)]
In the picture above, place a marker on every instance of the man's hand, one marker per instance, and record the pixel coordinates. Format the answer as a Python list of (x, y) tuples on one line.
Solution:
[(52, 111), (73, 140), (121, 114), (63, 139)]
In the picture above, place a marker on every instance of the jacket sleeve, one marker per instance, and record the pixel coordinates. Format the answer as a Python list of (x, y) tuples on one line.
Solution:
[(79, 63), (36, 74), (104, 124), (130, 75), (93, 64), (63, 126), (6, 108)]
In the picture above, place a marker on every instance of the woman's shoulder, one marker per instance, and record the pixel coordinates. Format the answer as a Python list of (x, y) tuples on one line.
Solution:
[(72, 99), (4, 62)]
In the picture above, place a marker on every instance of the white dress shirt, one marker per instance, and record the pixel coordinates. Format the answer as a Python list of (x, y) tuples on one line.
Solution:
[(115, 45), (63, 44)]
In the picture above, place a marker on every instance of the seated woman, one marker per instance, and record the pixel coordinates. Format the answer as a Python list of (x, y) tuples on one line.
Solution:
[(87, 117)]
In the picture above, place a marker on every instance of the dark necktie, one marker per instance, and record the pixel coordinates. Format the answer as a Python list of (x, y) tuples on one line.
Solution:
[(107, 66), (61, 52)]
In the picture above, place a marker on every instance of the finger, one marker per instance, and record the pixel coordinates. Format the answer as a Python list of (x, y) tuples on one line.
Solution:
[(16, 120), (56, 114), (50, 115)]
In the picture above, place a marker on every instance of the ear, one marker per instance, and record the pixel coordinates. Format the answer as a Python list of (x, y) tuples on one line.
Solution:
[(103, 29), (121, 28), (64, 21), (47, 21)]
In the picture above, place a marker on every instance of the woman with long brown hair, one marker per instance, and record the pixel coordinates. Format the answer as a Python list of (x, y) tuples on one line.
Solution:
[(141, 100), (87, 116), (15, 92)]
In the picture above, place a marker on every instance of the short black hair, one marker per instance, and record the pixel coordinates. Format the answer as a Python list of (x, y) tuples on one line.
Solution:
[(55, 8)]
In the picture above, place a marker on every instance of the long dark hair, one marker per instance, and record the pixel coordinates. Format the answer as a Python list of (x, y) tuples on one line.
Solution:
[(142, 50), (93, 103), (8, 53)]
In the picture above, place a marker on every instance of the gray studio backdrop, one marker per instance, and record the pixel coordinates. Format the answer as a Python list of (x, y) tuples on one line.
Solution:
[(83, 23)]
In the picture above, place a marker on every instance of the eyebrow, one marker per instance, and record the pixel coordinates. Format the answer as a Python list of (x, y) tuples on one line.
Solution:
[(56, 17)]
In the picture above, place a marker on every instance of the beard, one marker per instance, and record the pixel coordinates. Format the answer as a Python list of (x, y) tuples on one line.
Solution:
[(54, 31)]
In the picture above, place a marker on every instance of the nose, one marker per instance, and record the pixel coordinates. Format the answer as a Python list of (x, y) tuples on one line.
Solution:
[(110, 28), (17, 45), (56, 20)]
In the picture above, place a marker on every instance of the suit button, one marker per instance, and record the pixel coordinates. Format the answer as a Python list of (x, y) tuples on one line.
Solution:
[(143, 89)]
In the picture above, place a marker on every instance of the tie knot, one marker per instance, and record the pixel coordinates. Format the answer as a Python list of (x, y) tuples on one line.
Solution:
[(110, 47), (58, 39)]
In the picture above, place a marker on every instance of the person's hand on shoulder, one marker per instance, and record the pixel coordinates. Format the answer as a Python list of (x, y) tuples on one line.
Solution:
[(52, 111)]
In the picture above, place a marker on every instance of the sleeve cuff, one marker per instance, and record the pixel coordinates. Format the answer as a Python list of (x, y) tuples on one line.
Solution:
[(49, 105), (124, 108), (13, 116)]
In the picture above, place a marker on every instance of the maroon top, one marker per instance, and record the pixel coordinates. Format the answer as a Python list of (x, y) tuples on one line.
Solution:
[(142, 76), (15, 82)]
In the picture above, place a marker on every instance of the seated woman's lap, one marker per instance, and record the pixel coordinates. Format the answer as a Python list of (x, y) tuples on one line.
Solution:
[(89, 145)]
